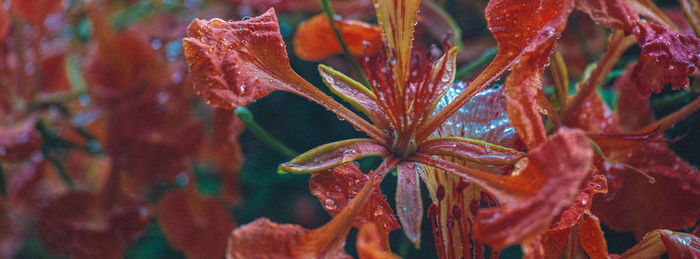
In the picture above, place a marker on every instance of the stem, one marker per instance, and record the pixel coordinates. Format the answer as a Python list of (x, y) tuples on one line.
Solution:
[(59, 168), (668, 121), (468, 69), (691, 11), (247, 117), (328, 10), (618, 44)]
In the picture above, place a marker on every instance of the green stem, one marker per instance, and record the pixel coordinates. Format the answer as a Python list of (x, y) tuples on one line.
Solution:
[(59, 168), (484, 59), (247, 117), (346, 52)]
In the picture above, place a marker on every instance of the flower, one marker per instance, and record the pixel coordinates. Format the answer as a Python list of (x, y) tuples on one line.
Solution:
[(236, 63)]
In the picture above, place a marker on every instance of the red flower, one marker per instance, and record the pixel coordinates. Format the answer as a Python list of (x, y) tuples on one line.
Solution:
[(235, 63)]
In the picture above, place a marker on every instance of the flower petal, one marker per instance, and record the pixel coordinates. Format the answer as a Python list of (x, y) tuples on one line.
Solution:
[(520, 28), (315, 40), (265, 239), (397, 19), (371, 244), (667, 58), (186, 214), (336, 188), (409, 205), (655, 243), (235, 63), (470, 150), (590, 235), (634, 204), (553, 176), (354, 93), (333, 154)]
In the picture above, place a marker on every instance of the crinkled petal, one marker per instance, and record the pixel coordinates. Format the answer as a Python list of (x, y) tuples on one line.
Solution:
[(667, 58), (315, 40), (409, 205), (333, 154), (235, 63), (336, 188)]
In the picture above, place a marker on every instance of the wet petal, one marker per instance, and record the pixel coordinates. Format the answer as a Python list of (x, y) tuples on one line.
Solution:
[(315, 40), (236, 63), (532, 196), (371, 244), (521, 28), (409, 205), (470, 150), (590, 235), (265, 239), (333, 154), (676, 244), (336, 188), (397, 19), (667, 58), (186, 214), (354, 93)]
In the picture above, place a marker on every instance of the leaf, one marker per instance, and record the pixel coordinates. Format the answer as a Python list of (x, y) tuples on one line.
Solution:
[(470, 150), (19, 140), (409, 204), (315, 40), (355, 94), (333, 154), (655, 243), (397, 19), (197, 225), (334, 189), (667, 58), (371, 245), (532, 197)]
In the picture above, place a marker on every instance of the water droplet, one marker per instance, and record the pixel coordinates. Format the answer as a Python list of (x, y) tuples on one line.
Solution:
[(330, 204)]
